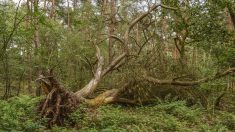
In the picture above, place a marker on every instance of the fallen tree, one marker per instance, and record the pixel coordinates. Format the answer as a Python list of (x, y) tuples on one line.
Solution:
[(59, 101)]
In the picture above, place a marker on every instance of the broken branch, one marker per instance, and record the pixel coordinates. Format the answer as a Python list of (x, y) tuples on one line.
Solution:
[(188, 83)]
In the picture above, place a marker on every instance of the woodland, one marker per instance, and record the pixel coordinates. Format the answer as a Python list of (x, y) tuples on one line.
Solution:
[(117, 65)]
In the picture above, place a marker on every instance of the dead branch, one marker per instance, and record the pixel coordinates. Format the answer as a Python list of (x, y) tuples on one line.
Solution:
[(188, 83), (91, 86), (126, 37), (117, 38), (90, 65)]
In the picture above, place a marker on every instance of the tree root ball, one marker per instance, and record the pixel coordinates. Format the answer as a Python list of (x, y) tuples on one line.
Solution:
[(59, 102), (57, 106)]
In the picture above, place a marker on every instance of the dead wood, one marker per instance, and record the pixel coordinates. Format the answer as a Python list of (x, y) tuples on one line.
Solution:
[(188, 83), (58, 103)]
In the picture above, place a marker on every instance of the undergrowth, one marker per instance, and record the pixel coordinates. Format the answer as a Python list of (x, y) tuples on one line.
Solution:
[(19, 114)]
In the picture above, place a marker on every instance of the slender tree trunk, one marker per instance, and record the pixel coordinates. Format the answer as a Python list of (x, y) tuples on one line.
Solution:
[(112, 28), (52, 13), (7, 77), (36, 35), (231, 20), (36, 42), (232, 14), (68, 15), (29, 56), (194, 59)]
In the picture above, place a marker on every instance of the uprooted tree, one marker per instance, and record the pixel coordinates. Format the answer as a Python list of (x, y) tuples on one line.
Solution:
[(59, 101)]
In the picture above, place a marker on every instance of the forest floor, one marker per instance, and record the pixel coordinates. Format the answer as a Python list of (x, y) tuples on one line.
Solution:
[(19, 114)]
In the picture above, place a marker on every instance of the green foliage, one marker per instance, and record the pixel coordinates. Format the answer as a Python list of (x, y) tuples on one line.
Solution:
[(227, 119), (166, 116), (18, 114)]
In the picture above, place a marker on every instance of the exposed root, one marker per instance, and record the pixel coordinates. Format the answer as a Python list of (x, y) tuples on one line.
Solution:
[(58, 103), (57, 106)]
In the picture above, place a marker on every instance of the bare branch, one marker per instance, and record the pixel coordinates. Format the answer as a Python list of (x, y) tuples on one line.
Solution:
[(113, 63), (117, 38), (135, 21), (126, 37), (91, 86), (189, 83), (90, 65)]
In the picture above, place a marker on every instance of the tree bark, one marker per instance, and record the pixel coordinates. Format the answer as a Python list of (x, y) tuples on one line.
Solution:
[(92, 85)]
